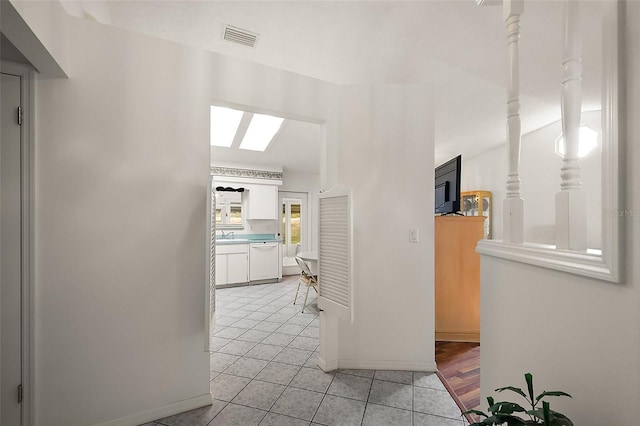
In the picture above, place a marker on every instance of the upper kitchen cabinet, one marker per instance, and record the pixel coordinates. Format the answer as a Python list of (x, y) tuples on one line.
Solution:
[(259, 189), (262, 202)]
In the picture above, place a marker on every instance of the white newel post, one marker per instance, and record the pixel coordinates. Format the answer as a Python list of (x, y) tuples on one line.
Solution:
[(513, 226), (571, 215)]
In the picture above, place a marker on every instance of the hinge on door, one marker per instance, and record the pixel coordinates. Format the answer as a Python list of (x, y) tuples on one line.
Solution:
[(19, 394), (20, 116)]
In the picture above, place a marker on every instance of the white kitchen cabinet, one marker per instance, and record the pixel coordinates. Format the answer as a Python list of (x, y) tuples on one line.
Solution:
[(232, 263), (237, 268), (221, 269), (262, 202), (263, 261)]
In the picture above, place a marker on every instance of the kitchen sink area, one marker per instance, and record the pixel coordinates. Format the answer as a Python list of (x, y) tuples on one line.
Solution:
[(247, 259)]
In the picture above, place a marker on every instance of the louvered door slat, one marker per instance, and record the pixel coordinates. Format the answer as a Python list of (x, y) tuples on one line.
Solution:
[(335, 289)]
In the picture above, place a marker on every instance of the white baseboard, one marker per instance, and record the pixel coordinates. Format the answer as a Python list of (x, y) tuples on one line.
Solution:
[(327, 365), (290, 270), (160, 412), (356, 364)]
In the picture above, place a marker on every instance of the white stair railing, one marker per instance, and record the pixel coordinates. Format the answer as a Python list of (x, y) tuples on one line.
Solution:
[(571, 201), (513, 210)]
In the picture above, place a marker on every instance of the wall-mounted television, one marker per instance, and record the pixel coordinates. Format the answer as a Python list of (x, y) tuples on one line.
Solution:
[(447, 187)]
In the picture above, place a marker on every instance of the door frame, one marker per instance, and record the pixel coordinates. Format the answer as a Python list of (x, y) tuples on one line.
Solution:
[(27, 100), (305, 214)]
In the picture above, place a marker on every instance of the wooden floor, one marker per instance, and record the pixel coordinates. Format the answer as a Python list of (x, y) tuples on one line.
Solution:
[(459, 363)]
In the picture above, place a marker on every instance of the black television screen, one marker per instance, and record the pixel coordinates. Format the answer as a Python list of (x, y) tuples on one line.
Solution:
[(447, 186)]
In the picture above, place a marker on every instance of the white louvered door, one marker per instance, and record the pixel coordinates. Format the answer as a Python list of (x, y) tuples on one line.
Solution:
[(211, 246), (335, 259)]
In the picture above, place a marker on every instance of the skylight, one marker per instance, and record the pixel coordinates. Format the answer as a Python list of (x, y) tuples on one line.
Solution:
[(224, 125), (260, 132)]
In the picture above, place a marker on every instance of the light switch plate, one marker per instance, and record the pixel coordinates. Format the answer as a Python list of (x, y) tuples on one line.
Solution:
[(414, 235)]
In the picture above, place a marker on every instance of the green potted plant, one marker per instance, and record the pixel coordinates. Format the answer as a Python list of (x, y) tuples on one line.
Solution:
[(508, 413)]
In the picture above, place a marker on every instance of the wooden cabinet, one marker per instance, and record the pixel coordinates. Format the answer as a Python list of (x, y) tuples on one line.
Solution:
[(262, 202), (232, 264), (457, 277), (479, 203)]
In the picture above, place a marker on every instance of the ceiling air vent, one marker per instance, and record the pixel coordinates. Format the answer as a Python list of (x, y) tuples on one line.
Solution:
[(240, 36)]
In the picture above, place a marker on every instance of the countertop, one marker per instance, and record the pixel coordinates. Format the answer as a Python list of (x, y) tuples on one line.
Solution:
[(247, 239)]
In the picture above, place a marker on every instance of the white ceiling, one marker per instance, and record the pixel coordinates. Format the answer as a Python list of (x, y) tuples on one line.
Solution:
[(455, 45), (296, 147)]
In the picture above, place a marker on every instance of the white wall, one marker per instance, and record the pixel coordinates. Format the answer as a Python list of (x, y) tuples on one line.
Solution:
[(122, 165), (540, 176), (574, 334), (382, 144)]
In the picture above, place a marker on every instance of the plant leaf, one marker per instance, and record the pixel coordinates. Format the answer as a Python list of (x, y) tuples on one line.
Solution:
[(490, 401), (556, 419), (501, 419), (529, 378), (552, 393), (513, 389), (489, 421), (506, 408), (546, 414), (561, 419), (476, 412)]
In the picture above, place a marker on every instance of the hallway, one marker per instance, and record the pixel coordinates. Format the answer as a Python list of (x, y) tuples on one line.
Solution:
[(263, 372)]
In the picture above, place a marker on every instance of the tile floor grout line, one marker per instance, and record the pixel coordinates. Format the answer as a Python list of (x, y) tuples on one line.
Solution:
[(226, 404), (277, 303), (321, 401), (366, 403), (413, 390)]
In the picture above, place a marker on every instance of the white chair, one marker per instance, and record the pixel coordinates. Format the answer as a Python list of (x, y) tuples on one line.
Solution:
[(306, 277)]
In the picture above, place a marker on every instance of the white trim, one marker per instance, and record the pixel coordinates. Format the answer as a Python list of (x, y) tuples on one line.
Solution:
[(588, 264), (607, 264), (27, 101), (612, 122), (238, 179), (161, 412), (326, 366)]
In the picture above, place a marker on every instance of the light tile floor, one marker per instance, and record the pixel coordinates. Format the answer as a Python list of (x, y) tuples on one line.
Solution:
[(264, 372)]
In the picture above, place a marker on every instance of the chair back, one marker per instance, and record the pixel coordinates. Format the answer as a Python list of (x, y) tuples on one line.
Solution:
[(306, 270)]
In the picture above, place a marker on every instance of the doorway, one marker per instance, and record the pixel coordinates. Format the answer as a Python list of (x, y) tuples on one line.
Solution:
[(15, 86), (294, 222), (259, 329)]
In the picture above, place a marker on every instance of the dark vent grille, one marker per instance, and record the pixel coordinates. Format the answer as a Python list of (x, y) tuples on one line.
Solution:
[(239, 36)]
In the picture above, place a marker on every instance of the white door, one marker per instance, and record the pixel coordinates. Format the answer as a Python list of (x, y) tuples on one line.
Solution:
[(10, 253), (213, 259), (294, 222)]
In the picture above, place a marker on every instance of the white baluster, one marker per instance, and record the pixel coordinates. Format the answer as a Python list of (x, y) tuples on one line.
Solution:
[(571, 215), (513, 209)]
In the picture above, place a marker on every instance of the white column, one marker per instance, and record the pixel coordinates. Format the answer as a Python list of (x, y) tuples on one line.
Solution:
[(571, 215), (513, 209)]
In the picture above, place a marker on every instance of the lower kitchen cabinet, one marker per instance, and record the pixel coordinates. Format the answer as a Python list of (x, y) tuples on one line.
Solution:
[(232, 264)]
